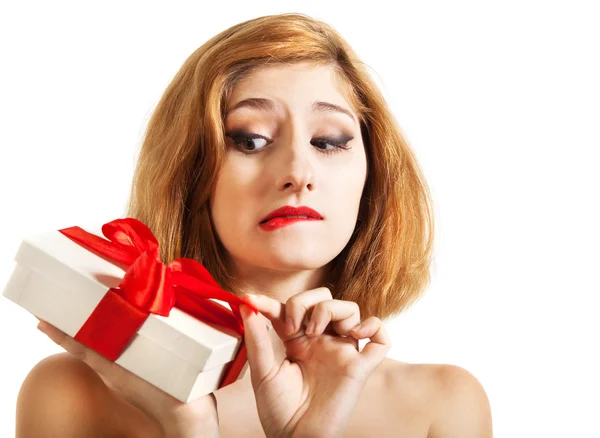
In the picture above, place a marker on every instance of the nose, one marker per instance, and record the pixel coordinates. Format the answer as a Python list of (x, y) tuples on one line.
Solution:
[(295, 167)]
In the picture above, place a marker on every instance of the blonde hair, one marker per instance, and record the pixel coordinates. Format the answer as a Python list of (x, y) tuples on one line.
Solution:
[(385, 265)]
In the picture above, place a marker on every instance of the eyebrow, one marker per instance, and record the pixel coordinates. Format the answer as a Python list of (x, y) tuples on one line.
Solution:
[(262, 104)]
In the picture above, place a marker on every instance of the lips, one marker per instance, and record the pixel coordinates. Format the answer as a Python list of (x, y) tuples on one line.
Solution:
[(288, 211)]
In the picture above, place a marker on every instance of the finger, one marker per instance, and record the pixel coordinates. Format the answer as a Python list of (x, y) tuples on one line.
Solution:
[(299, 307), (271, 309), (261, 357), (380, 343), (343, 316), (131, 387)]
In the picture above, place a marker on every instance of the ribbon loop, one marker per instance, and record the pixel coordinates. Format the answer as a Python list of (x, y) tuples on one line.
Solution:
[(130, 232), (150, 286), (147, 285)]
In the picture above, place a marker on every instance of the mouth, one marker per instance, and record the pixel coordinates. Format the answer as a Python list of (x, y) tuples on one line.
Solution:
[(288, 217), (283, 221), (289, 212)]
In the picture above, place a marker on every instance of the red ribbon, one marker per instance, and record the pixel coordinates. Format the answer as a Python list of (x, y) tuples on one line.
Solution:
[(150, 286)]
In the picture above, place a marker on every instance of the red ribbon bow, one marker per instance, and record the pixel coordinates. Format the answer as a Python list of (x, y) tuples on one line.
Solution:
[(150, 286)]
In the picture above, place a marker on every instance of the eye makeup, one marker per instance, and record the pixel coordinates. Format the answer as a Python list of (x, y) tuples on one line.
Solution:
[(241, 141)]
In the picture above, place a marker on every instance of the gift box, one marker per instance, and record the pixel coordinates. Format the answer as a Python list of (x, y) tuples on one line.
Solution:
[(171, 324)]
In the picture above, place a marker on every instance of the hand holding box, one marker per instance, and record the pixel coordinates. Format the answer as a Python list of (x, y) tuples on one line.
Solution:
[(162, 322)]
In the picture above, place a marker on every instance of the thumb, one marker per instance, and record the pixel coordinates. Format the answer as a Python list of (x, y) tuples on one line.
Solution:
[(261, 358)]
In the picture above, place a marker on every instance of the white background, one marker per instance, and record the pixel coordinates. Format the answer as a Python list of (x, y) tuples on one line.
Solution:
[(500, 100)]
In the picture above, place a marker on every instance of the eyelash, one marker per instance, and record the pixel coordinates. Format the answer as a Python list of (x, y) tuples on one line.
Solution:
[(239, 138)]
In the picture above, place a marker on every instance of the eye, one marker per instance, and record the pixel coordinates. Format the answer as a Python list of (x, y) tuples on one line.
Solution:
[(337, 145), (248, 142)]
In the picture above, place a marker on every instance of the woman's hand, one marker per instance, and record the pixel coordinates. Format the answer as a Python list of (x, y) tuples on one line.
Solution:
[(313, 392), (195, 419)]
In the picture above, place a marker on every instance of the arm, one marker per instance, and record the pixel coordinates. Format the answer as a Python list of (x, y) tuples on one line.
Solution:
[(462, 409), (176, 419)]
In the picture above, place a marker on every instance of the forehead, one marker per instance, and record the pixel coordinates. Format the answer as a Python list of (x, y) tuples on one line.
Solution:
[(296, 87)]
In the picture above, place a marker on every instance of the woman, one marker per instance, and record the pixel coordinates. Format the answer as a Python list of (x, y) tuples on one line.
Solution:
[(273, 160)]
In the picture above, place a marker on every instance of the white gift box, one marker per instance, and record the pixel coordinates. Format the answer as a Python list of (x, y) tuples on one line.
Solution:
[(61, 282)]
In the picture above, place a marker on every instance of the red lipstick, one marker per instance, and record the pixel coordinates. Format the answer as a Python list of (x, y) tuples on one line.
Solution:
[(288, 215)]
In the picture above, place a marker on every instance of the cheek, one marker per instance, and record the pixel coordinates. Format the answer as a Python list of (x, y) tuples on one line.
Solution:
[(345, 193), (233, 196), (348, 186)]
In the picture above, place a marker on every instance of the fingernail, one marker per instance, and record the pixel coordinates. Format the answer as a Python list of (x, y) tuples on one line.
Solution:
[(245, 311), (357, 328), (289, 325), (310, 328), (251, 298)]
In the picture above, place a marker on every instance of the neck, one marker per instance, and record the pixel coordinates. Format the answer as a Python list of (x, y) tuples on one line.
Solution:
[(280, 285)]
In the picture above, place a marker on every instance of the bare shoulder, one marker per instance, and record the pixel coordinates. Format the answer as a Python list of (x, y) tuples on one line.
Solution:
[(391, 404), (453, 399), (63, 396)]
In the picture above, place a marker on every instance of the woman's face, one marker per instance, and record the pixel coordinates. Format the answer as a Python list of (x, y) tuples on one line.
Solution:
[(287, 154)]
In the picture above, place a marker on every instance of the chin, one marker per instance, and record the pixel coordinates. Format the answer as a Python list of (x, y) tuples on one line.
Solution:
[(291, 254), (288, 260), (297, 260), (296, 265)]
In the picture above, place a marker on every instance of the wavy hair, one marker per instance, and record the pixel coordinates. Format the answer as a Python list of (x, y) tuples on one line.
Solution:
[(385, 266)]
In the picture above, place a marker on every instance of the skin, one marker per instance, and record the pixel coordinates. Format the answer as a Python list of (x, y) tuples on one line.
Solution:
[(119, 403), (305, 383), (314, 390), (289, 167)]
